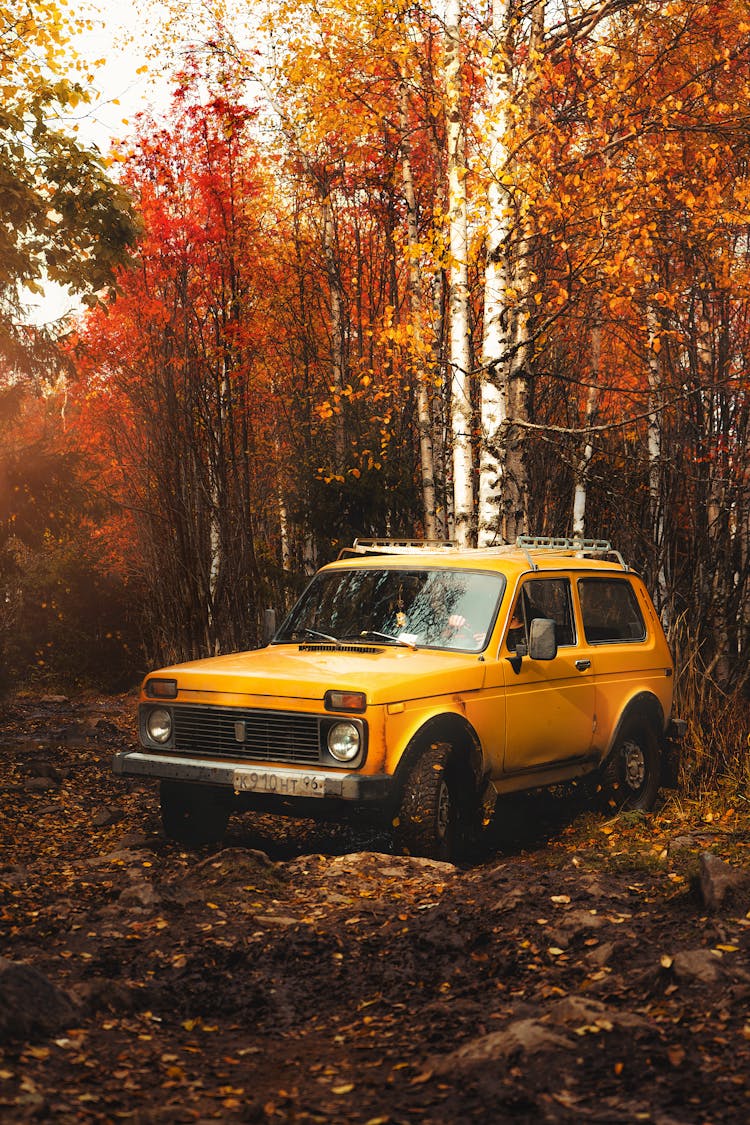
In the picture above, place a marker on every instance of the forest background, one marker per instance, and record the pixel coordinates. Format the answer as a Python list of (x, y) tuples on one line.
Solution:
[(443, 269)]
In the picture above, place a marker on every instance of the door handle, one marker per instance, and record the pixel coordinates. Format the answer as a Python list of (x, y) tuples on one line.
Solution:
[(583, 665)]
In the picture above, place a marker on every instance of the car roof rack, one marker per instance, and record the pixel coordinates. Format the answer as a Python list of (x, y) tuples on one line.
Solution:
[(560, 545), (396, 546), (567, 545)]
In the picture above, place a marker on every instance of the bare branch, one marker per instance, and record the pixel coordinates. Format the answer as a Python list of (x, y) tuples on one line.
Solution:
[(573, 30)]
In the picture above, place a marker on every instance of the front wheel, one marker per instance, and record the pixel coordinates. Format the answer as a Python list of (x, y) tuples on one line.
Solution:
[(632, 772), (193, 815), (432, 816)]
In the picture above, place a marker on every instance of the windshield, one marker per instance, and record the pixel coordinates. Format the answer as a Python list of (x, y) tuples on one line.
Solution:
[(452, 609)]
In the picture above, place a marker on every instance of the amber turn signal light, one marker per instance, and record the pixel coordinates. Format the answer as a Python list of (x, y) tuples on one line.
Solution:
[(345, 701), (162, 689)]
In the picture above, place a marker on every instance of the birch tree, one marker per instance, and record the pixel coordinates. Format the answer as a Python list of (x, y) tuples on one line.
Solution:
[(657, 499), (584, 462), (493, 404), (503, 489), (522, 46), (460, 351), (433, 528)]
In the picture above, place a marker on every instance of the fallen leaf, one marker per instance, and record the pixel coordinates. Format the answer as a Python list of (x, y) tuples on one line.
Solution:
[(676, 1055)]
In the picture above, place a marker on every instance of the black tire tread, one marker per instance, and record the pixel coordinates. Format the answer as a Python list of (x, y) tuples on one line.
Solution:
[(616, 791), (415, 824)]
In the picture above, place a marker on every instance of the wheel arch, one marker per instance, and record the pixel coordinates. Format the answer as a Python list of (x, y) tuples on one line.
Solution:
[(448, 727), (644, 706), (631, 772)]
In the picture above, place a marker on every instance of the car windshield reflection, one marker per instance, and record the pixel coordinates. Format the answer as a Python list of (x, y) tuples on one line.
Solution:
[(425, 608)]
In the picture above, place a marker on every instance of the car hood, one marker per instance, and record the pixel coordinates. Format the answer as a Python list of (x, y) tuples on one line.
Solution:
[(386, 674)]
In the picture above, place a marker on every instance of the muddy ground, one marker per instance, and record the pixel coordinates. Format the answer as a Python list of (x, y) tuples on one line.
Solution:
[(582, 968)]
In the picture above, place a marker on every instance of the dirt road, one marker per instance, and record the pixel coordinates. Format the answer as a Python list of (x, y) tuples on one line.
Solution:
[(576, 971)]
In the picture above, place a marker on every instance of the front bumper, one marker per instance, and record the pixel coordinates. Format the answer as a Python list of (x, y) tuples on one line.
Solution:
[(267, 781)]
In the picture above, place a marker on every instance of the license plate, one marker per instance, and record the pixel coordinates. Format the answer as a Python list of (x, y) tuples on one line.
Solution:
[(285, 784)]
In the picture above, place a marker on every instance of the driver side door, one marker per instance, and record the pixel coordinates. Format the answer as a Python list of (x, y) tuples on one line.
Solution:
[(549, 704)]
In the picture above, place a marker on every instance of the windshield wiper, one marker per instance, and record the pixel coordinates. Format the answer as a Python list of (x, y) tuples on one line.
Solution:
[(364, 635), (307, 632)]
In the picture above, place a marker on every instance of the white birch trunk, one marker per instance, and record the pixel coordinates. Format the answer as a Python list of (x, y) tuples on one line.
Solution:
[(309, 553), (286, 554), (215, 552), (424, 415), (284, 543), (493, 403), (503, 485), (583, 467), (656, 500), (460, 355), (441, 437)]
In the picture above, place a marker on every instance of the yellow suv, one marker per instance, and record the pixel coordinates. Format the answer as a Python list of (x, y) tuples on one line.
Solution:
[(410, 681)]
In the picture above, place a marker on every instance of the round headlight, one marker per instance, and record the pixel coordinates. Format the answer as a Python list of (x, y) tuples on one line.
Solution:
[(159, 725), (343, 741)]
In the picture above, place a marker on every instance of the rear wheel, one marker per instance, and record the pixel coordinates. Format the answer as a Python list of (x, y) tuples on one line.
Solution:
[(193, 815), (434, 817), (632, 772)]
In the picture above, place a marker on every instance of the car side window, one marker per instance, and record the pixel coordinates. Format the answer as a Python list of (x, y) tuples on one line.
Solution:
[(610, 611), (542, 597)]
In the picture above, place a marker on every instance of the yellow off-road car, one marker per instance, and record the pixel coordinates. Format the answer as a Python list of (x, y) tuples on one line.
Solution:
[(411, 681)]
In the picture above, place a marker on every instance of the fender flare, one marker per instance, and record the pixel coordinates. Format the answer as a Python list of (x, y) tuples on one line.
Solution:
[(448, 727), (644, 706)]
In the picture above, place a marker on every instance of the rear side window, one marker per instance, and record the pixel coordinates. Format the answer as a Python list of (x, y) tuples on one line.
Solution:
[(610, 611)]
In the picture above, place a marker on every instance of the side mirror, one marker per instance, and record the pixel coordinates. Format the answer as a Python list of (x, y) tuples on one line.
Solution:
[(543, 639)]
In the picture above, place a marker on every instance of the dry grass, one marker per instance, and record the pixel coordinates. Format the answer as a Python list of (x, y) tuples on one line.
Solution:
[(716, 751)]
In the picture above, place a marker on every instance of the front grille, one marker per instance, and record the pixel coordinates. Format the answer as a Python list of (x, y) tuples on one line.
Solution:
[(277, 736)]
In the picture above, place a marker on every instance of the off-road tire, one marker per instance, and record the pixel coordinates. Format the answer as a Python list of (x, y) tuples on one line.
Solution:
[(433, 817), (632, 773), (193, 815)]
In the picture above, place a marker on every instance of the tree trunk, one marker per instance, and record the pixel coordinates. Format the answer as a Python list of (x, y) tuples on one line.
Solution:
[(503, 485), (657, 500), (584, 463), (493, 398), (424, 414), (460, 351), (337, 327)]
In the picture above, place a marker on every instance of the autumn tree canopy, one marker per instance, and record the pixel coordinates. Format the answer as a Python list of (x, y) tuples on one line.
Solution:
[(62, 217), (419, 268)]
